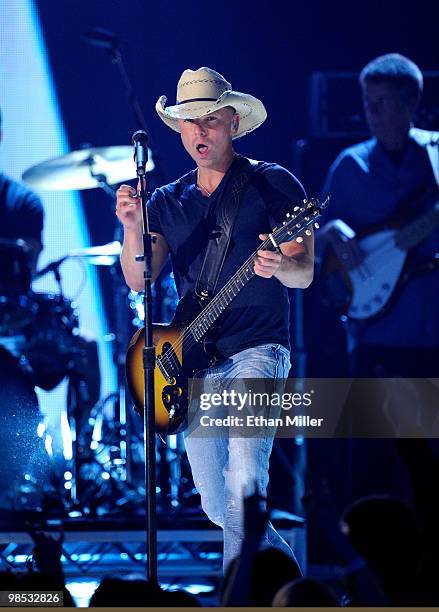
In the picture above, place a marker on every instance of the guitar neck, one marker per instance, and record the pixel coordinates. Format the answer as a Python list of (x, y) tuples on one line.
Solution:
[(207, 317), (415, 232), (293, 226)]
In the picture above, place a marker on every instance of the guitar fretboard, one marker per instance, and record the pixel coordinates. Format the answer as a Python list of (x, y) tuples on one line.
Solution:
[(295, 223), (289, 230), (201, 325), (415, 232)]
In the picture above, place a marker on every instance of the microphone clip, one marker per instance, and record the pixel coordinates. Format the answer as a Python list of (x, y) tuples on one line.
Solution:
[(140, 142)]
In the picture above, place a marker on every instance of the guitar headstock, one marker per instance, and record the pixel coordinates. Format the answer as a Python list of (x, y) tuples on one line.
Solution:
[(298, 222)]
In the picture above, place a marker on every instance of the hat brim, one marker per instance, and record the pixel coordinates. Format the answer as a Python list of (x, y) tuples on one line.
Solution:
[(251, 111)]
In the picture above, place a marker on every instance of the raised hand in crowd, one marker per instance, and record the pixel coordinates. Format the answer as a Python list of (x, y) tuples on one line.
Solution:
[(47, 553)]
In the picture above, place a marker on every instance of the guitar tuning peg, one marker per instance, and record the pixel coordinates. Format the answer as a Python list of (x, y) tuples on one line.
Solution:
[(308, 232), (316, 225), (299, 239), (296, 208), (288, 215), (305, 201)]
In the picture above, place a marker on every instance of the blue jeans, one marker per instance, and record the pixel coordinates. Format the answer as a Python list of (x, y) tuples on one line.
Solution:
[(225, 468)]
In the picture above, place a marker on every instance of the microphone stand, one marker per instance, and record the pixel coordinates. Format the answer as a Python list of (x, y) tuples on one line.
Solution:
[(148, 399), (109, 41), (117, 60)]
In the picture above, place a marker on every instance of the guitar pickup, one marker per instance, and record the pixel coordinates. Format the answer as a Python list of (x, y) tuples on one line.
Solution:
[(162, 369)]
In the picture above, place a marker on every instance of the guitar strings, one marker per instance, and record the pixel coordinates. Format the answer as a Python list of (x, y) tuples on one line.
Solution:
[(238, 276), (170, 354), (188, 334), (380, 252), (247, 265)]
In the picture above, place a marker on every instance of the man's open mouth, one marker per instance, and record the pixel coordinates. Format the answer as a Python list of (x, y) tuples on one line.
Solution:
[(202, 148)]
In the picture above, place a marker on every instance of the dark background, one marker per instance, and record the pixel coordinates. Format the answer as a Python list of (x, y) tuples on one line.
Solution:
[(268, 49)]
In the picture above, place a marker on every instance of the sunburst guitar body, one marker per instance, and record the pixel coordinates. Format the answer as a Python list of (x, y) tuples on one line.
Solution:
[(178, 359)]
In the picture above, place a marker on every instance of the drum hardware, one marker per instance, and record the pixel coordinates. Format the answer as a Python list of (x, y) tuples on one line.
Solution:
[(84, 169), (103, 468), (77, 397), (44, 335), (104, 38), (108, 255), (53, 352), (175, 479), (102, 479)]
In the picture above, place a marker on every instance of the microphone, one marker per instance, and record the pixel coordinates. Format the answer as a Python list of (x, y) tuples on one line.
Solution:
[(101, 38), (140, 142)]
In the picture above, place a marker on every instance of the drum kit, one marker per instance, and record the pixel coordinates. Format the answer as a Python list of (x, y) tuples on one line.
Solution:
[(42, 331), (38, 328)]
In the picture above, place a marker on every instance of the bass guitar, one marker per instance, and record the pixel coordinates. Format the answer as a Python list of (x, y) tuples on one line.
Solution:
[(361, 275), (180, 346)]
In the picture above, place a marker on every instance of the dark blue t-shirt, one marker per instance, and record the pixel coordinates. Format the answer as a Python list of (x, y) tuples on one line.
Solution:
[(21, 211), (260, 312), (367, 189)]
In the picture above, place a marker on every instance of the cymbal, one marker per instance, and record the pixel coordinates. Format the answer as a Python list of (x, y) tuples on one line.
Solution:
[(103, 255), (74, 170), (111, 249)]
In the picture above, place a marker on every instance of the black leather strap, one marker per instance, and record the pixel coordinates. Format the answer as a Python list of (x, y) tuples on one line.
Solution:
[(224, 220)]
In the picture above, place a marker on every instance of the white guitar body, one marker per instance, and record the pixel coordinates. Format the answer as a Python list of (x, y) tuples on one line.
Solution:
[(362, 273), (374, 279)]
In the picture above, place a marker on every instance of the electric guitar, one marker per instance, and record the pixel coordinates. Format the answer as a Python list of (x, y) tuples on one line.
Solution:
[(361, 275), (180, 346)]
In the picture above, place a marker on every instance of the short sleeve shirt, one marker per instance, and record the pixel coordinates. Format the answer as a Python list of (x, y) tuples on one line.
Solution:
[(366, 189), (21, 211), (260, 312)]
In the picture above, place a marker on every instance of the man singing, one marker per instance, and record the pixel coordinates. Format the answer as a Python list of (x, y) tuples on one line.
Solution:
[(253, 341)]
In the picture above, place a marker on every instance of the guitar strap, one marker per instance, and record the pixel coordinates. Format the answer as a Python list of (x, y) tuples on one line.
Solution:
[(224, 216)]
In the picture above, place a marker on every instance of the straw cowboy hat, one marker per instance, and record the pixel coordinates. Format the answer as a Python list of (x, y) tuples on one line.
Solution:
[(203, 91)]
